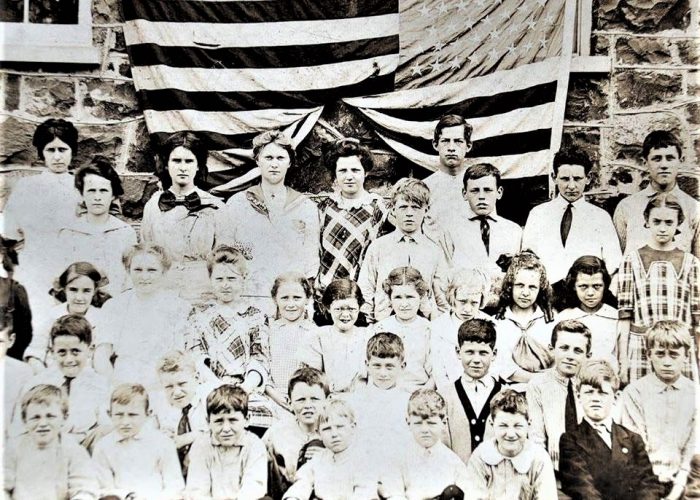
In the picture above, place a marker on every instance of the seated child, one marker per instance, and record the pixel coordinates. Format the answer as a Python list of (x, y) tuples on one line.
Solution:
[(427, 468), (466, 294), (406, 290), (510, 465), (469, 396), (229, 461), (550, 394), (16, 372), (340, 470), (180, 406), (660, 406), (338, 350), (599, 458), (135, 459), (287, 437), (41, 463), (229, 338), (87, 392)]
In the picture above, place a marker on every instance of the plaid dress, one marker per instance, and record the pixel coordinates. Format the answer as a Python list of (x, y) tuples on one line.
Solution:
[(347, 229), (657, 292)]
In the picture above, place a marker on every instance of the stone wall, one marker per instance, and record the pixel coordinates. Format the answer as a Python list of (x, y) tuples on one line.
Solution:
[(652, 47)]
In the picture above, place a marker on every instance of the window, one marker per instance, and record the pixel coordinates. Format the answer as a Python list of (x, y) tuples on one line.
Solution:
[(57, 31), (583, 61)]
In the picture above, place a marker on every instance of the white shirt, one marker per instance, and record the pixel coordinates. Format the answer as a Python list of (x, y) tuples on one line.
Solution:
[(604, 429), (592, 233), (446, 200), (508, 332), (477, 390)]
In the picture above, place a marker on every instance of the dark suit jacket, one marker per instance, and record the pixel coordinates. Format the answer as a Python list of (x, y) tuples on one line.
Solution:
[(590, 470)]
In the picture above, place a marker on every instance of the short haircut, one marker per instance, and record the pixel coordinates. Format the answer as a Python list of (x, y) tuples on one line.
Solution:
[(480, 170), (72, 325), (6, 319), (176, 361), (276, 137), (125, 394), (669, 334), (101, 167), (309, 376), (225, 254), (341, 289), (427, 403), (452, 120), (292, 277), (405, 275), (587, 264), (572, 156), (473, 280), (509, 401), (190, 141), (43, 394), (385, 345), (478, 330), (337, 408), (149, 249), (411, 189), (349, 147), (227, 398), (572, 326), (596, 372), (527, 259), (76, 270), (664, 200), (658, 139), (55, 128)]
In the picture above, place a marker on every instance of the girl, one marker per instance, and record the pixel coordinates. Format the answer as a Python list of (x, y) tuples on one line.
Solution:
[(586, 286), (180, 218), (229, 338), (466, 293), (141, 325), (524, 311), (291, 293), (14, 296), (338, 349), (656, 282), (406, 290), (80, 289)]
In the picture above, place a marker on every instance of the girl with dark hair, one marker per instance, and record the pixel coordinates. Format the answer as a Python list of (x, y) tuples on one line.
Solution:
[(180, 218), (14, 302)]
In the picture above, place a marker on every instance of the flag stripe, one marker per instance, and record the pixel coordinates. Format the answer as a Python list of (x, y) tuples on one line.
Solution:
[(188, 11)]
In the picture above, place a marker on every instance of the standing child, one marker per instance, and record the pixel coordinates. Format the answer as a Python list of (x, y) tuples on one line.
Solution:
[(229, 461), (406, 246), (41, 463), (660, 406), (656, 282), (14, 295), (510, 465), (338, 349), (135, 459), (524, 314), (406, 290), (586, 289)]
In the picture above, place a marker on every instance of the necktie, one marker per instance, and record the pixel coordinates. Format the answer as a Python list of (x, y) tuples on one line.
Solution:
[(570, 420), (485, 231), (168, 201), (183, 427), (604, 433), (66, 385), (566, 224)]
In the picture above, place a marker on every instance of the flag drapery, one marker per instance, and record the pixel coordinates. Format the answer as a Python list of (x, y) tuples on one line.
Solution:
[(230, 69)]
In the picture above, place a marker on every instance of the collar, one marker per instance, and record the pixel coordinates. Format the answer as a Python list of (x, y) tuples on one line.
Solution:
[(139, 436), (469, 213), (366, 199), (83, 226), (559, 378), (521, 462), (559, 200), (660, 386), (650, 192), (256, 197), (606, 424), (452, 178), (397, 236), (486, 381), (537, 314), (215, 442), (606, 311)]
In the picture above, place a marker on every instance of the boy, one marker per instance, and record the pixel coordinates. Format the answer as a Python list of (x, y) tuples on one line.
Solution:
[(340, 470), (601, 459), (469, 396), (510, 465), (286, 438), (563, 229), (135, 459), (16, 372), (405, 246), (41, 463), (428, 468), (87, 392), (550, 395), (660, 406), (662, 154), (229, 462)]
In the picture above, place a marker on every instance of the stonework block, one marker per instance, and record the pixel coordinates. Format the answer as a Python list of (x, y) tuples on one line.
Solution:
[(637, 89), (106, 140), (688, 51), (643, 16), (587, 98), (140, 156), (48, 96), (109, 99), (628, 133), (643, 50), (106, 12), (16, 141)]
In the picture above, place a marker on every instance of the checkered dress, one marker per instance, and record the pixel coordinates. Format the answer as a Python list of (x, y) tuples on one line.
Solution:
[(657, 293), (346, 232)]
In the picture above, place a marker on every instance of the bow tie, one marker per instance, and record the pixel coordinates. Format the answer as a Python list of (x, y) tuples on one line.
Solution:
[(168, 201)]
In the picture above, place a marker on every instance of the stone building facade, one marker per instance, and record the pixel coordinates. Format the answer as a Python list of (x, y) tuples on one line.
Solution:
[(651, 47)]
